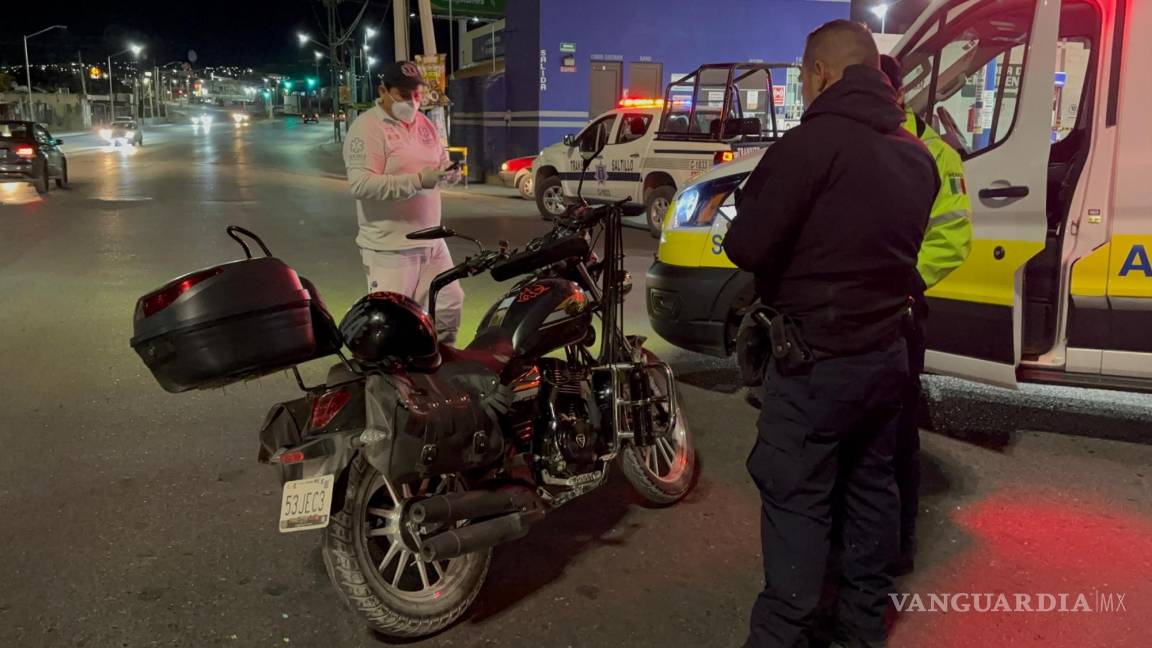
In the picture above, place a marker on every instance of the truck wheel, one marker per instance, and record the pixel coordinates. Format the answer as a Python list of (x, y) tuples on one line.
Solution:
[(550, 197), (41, 181), (656, 205)]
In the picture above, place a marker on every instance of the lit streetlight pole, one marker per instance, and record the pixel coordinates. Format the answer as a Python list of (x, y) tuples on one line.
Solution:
[(135, 49), (369, 34), (881, 12), (28, 66), (371, 60), (317, 55)]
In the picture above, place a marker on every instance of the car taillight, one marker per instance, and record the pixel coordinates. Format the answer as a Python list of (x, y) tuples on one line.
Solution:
[(25, 151), (163, 298), (325, 408), (723, 156)]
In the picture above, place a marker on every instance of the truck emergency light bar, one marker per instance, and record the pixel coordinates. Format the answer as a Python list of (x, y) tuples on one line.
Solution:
[(628, 102)]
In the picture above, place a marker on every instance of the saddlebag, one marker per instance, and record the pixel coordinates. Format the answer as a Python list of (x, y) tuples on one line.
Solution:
[(437, 423), (231, 322)]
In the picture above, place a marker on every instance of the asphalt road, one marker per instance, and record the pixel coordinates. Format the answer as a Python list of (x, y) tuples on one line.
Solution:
[(132, 517)]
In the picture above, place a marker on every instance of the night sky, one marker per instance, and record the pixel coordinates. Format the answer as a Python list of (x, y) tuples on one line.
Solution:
[(264, 32)]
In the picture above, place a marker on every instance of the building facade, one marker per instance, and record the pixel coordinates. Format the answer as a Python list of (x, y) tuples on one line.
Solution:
[(564, 62)]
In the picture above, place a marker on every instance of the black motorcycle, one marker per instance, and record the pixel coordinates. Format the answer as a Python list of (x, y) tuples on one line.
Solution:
[(417, 458)]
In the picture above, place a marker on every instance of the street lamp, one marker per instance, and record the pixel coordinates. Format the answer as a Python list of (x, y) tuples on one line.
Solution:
[(305, 39), (369, 33), (881, 12), (368, 63), (135, 49), (28, 67)]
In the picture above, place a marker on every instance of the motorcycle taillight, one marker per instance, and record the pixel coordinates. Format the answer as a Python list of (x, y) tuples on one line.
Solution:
[(326, 407), (163, 298)]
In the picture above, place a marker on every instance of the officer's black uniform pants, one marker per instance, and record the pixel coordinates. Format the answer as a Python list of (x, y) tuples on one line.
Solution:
[(825, 446), (908, 434)]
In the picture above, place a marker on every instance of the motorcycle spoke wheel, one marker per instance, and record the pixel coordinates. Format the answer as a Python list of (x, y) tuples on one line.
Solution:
[(392, 548), (662, 470)]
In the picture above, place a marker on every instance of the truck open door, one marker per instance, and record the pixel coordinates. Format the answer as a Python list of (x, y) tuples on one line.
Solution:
[(982, 73)]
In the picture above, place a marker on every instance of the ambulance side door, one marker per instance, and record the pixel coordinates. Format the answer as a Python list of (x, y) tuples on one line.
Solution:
[(982, 73)]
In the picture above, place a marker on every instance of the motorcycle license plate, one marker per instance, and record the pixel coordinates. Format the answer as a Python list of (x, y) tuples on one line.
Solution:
[(305, 504)]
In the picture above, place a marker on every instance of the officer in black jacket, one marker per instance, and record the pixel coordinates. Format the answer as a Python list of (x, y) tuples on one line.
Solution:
[(830, 223)]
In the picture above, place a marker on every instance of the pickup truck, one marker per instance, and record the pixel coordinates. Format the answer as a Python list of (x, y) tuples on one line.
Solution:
[(656, 146)]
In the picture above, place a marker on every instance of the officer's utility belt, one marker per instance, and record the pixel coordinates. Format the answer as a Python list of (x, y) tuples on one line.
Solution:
[(766, 335)]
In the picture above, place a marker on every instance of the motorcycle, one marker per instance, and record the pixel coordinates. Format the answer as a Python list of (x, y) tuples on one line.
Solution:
[(416, 464)]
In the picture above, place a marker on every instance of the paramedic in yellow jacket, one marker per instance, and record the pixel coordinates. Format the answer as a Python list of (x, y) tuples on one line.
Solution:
[(947, 242)]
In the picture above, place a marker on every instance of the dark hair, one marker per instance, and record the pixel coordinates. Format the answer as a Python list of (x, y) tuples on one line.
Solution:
[(841, 43)]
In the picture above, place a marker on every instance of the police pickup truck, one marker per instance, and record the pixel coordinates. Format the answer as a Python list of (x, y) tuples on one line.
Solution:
[(657, 146)]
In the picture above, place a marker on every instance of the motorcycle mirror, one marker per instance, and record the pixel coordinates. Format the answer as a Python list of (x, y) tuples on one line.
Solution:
[(432, 233)]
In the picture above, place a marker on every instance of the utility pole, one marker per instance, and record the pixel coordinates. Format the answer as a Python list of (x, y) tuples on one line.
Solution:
[(83, 72), (427, 33), (333, 58), (400, 29)]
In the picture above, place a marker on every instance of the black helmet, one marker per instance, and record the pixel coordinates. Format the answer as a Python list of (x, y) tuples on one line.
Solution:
[(387, 327)]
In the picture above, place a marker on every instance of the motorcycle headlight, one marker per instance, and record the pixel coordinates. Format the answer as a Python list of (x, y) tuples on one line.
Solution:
[(697, 206), (106, 133)]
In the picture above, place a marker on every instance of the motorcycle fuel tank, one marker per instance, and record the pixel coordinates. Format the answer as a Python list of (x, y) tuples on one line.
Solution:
[(542, 315)]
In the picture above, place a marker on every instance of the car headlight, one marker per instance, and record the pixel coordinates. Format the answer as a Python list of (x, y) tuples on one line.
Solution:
[(697, 205), (504, 166)]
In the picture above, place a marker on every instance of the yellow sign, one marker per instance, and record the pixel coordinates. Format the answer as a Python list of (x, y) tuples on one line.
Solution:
[(432, 68)]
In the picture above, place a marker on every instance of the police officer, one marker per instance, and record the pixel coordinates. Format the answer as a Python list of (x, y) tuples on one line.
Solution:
[(947, 242), (396, 166), (830, 223)]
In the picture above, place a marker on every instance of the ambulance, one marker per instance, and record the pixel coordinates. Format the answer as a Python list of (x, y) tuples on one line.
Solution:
[(1046, 101), (658, 145)]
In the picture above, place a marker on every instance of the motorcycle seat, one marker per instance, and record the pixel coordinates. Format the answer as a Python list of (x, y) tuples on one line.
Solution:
[(491, 347)]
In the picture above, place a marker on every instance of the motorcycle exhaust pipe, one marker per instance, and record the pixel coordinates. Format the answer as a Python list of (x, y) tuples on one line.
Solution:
[(469, 505), (481, 535)]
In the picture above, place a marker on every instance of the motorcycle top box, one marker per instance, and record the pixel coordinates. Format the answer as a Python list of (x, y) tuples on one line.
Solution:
[(228, 323)]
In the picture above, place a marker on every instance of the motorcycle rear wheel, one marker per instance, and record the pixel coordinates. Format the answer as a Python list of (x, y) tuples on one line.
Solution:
[(376, 572), (662, 472)]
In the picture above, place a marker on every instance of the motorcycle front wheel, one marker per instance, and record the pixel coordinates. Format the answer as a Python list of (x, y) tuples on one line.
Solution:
[(371, 560), (662, 472)]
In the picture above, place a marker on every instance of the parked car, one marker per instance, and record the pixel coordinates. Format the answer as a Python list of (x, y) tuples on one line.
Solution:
[(123, 131), (29, 153), (311, 118), (517, 172)]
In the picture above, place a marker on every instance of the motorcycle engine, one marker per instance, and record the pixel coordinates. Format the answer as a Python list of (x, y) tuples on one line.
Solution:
[(572, 440)]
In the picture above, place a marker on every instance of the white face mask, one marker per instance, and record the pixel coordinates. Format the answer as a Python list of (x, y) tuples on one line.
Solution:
[(405, 111)]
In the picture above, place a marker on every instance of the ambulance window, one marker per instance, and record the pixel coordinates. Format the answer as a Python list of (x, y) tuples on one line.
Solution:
[(1072, 59), (633, 127), (965, 79)]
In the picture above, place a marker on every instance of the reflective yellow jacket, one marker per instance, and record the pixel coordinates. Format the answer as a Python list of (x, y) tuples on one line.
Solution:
[(948, 239)]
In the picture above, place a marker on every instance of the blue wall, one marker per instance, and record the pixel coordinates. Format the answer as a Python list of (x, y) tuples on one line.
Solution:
[(679, 34)]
